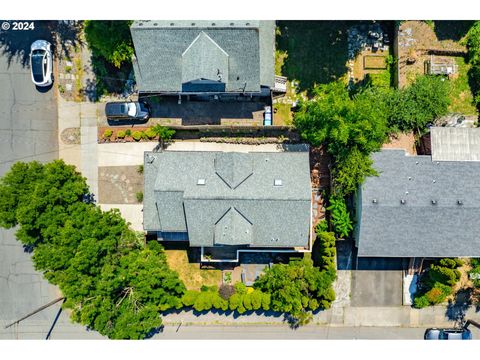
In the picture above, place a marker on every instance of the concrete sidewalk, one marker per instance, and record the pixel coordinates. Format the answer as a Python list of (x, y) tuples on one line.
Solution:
[(401, 316)]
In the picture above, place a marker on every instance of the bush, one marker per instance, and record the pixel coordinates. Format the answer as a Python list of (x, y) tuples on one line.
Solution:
[(140, 169), (340, 217), (121, 134), (150, 133), (449, 263), (137, 135), (188, 299), (459, 262), (139, 196), (128, 132), (226, 291), (421, 302), (321, 226), (107, 134)]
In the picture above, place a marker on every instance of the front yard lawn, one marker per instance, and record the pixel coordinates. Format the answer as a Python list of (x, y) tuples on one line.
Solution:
[(190, 273)]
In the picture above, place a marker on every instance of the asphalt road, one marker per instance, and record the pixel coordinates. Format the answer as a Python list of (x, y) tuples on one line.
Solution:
[(28, 131), (285, 333)]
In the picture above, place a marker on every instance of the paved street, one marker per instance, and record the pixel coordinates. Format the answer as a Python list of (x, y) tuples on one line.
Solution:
[(28, 131), (263, 332)]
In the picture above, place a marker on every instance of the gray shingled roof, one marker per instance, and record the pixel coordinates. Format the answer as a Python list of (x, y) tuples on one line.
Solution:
[(239, 207), (172, 53), (419, 228)]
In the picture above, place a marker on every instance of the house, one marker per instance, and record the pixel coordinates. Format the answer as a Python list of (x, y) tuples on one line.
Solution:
[(419, 207), (226, 202), (179, 57)]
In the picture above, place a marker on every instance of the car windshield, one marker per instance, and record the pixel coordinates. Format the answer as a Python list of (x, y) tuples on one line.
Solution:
[(132, 109), (37, 65)]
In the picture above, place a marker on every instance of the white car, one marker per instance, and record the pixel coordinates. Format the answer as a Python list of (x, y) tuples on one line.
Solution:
[(41, 63)]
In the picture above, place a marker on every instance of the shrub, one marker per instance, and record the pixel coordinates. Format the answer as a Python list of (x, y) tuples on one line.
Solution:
[(340, 217), (139, 196), (140, 169), (137, 135), (121, 134), (421, 302), (459, 262), (449, 263), (150, 133), (107, 134), (188, 299), (443, 275), (321, 226), (226, 291), (128, 132)]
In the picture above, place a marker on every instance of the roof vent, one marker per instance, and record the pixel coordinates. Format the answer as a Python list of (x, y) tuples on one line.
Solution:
[(277, 182), (193, 24), (155, 24), (172, 24), (247, 24), (459, 202), (434, 202), (374, 201), (416, 162), (231, 24), (201, 182), (409, 178), (434, 181), (140, 24), (213, 24), (403, 201)]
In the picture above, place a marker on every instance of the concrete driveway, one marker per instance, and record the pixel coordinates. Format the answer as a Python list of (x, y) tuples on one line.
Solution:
[(377, 282)]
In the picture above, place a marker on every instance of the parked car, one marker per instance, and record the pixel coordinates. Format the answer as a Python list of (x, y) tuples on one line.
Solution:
[(132, 110), (447, 334), (267, 117), (41, 63)]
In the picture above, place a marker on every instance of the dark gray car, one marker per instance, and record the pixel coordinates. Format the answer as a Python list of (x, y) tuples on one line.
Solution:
[(133, 110)]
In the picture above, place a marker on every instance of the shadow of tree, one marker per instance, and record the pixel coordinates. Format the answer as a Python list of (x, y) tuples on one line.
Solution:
[(452, 29), (15, 45), (457, 309)]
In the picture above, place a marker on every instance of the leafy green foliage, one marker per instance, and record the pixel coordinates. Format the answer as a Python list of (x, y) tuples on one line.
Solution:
[(121, 134), (327, 250), (473, 46), (350, 171), (340, 217), (475, 272), (342, 122), (107, 134), (111, 39), (297, 287), (419, 104), (436, 284), (112, 282), (137, 135)]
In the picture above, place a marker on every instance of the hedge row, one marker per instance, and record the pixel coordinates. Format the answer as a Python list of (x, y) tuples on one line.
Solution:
[(237, 297)]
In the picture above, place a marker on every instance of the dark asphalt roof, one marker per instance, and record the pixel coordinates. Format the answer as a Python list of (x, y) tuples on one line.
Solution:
[(439, 217), (241, 56), (224, 198)]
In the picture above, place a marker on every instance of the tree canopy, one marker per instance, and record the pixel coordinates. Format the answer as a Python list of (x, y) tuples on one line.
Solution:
[(297, 287), (112, 281), (111, 39)]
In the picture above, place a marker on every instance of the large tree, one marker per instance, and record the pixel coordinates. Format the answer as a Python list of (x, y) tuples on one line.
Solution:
[(111, 39), (297, 287), (112, 281)]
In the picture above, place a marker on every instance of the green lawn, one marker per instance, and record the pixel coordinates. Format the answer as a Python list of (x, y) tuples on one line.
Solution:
[(316, 51), (461, 95)]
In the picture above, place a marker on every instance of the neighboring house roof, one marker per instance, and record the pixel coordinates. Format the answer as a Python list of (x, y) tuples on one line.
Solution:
[(455, 144), (223, 198), (439, 217), (170, 55)]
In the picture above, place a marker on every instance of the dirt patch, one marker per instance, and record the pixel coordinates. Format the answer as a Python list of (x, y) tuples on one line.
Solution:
[(416, 42), (402, 141), (320, 168), (119, 184)]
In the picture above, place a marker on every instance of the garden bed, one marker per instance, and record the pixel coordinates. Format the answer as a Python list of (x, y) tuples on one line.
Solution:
[(125, 134)]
